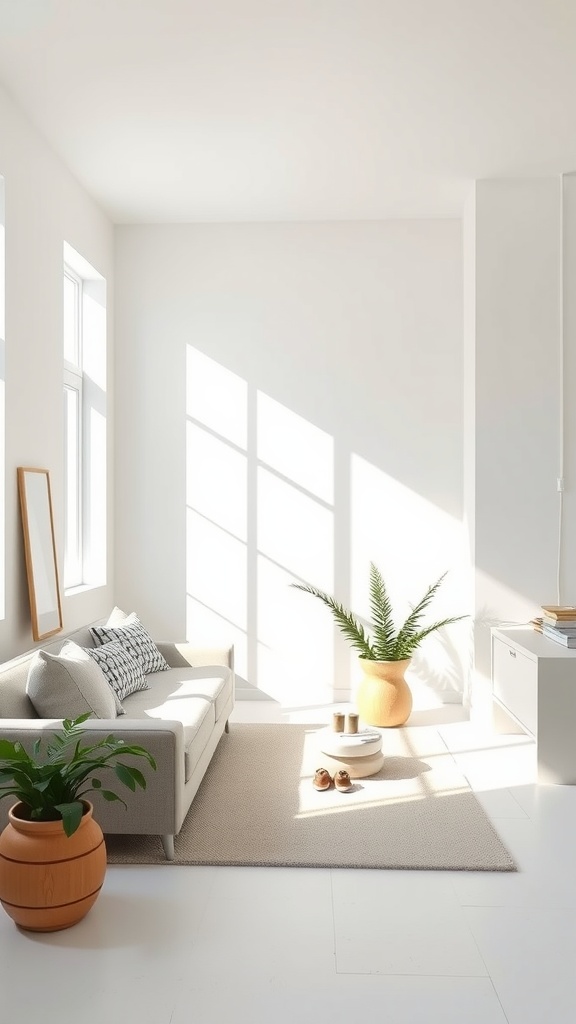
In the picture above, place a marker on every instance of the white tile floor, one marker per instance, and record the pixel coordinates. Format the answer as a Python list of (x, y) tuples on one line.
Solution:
[(176, 945)]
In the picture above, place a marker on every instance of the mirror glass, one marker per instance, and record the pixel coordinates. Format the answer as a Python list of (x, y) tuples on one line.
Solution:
[(40, 551)]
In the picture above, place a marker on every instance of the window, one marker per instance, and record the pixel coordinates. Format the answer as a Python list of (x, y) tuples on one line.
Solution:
[(84, 322), (72, 429)]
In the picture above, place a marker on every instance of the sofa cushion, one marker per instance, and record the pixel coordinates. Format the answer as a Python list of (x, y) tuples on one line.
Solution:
[(209, 681), (122, 671), (196, 713), (195, 742), (197, 697), (69, 684), (136, 640)]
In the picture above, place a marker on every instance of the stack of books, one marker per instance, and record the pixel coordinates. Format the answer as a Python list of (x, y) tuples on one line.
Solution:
[(559, 623)]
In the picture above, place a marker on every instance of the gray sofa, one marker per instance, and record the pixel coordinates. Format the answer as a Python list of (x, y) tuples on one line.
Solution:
[(179, 719)]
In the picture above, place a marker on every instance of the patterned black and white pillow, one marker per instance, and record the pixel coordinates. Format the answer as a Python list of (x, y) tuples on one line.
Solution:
[(122, 671), (136, 640)]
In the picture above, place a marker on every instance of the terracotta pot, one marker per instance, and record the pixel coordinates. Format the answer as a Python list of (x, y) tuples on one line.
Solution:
[(384, 697), (48, 880)]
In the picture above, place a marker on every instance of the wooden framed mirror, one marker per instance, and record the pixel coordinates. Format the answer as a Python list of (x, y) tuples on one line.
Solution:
[(40, 551)]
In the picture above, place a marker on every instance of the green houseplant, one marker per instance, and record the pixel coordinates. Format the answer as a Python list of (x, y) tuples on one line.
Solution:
[(385, 652), (52, 852), (53, 787)]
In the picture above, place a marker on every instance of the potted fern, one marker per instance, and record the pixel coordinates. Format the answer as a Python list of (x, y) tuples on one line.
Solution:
[(384, 697), (52, 852)]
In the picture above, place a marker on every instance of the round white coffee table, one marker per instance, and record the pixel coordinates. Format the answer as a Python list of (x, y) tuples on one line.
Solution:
[(360, 753)]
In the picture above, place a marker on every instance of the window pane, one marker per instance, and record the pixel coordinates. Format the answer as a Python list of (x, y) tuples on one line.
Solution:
[(84, 345), (72, 562), (70, 320)]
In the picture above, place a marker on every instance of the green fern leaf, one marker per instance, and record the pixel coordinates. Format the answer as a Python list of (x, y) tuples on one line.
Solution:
[(382, 618), (349, 626), (386, 644)]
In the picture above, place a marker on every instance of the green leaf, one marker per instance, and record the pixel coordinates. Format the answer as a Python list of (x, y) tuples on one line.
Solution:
[(381, 611), (71, 815), (55, 746), (53, 787), (82, 718), (136, 775), (140, 752), (411, 625), (10, 792), (108, 795), (42, 786), (386, 644), (412, 643), (124, 773), (350, 627), (12, 751), (6, 776)]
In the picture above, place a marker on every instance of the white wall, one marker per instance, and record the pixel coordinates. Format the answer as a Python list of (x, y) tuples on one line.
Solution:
[(514, 312), (44, 207), (291, 408), (568, 550)]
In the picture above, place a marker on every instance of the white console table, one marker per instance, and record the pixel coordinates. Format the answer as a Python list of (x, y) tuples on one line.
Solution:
[(534, 684)]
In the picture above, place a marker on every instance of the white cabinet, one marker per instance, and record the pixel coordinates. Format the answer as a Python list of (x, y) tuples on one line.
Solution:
[(534, 682)]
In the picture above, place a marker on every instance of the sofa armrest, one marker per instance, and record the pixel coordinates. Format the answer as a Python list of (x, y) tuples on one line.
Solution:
[(26, 729), (155, 810), (178, 655), (162, 738)]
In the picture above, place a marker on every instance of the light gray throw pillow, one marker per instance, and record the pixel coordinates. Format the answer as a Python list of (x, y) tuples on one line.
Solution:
[(69, 684)]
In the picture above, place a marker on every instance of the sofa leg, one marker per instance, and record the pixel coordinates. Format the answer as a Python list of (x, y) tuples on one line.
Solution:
[(168, 844), (227, 726)]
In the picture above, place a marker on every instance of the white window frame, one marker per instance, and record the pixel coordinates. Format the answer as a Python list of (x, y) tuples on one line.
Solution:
[(86, 565), (73, 559), (73, 380)]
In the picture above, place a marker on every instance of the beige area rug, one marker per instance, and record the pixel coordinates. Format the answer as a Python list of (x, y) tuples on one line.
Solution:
[(257, 806)]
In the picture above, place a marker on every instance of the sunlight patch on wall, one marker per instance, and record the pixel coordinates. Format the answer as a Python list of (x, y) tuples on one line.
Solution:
[(260, 486), (209, 629), (412, 541), (295, 530), (216, 506), (259, 516), (295, 448), (295, 541), (216, 397), (216, 480), (216, 571), (295, 657)]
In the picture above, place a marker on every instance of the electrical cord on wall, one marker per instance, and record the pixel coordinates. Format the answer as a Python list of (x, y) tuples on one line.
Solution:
[(560, 479), (560, 504)]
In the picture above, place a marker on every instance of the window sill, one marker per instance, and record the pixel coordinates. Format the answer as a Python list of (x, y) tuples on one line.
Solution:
[(81, 589)]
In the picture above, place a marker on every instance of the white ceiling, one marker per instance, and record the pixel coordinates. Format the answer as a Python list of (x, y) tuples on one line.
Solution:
[(211, 110)]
